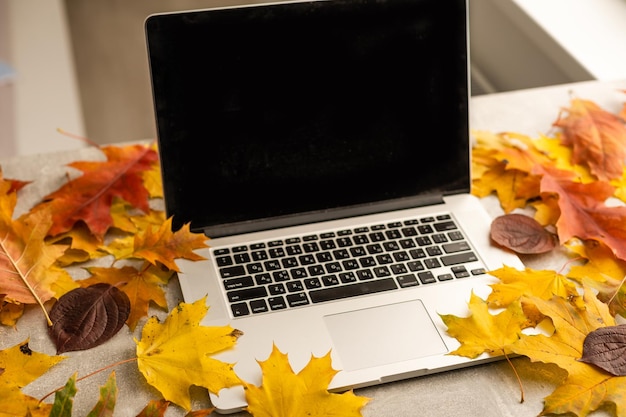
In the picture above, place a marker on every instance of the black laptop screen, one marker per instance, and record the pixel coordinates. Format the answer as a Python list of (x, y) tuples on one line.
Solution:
[(266, 112)]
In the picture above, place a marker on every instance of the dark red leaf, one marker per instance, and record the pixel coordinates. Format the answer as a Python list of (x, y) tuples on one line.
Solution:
[(87, 317), (606, 348), (522, 234)]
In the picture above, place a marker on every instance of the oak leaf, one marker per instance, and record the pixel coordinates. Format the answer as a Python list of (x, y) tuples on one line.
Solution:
[(19, 367), (175, 354), (597, 138), (284, 393), (485, 332), (88, 198)]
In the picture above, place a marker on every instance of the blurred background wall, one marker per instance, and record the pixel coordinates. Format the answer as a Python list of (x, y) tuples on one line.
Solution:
[(81, 65)]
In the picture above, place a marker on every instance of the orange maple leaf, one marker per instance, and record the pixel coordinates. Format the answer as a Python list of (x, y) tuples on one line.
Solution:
[(28, 274), (583, 212), (89, 197), (597, 138), (165, 246)]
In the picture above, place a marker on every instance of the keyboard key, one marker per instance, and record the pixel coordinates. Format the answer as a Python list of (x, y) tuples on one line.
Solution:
[(351, 290), (240, 309), (426, 277), (232, 271), (407, 280), (459, 258), (246, 294), (276, 289), (431, 263), (235, 283), (296, 300), (312, 283), (455, 247), (444, 226), (364, 274), (276, 303), (224, 260), (258, 306)]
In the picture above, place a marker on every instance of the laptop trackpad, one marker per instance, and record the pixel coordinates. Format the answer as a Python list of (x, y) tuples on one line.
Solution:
[(381, 335)]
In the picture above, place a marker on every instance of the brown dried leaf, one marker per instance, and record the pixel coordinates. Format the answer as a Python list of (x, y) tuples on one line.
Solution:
[(87, 317), (522, 234), (606, 348)]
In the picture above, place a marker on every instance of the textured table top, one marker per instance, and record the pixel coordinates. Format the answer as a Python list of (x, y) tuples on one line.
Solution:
[(485, 390)]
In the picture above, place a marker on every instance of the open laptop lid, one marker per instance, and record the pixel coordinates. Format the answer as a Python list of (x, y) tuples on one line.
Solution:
[(324, 109)]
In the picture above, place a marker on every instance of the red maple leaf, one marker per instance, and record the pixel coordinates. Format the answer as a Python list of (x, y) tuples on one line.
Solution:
[(88, 198)]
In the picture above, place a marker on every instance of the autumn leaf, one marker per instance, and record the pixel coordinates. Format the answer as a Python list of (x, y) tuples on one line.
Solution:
[(155, 408), (108, 399), (521, 234), (165, 246), (596, 136), (64, 399), (87, 317), (600, 271), (19, 367), (175, 354), (89, 197), (583, 212), (586, 388), (285, 394), (142, 286), (28, 274), (484, 332), (606, 348), (515, 284)]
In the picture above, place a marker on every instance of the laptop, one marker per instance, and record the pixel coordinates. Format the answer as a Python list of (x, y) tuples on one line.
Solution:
[(324, 148)]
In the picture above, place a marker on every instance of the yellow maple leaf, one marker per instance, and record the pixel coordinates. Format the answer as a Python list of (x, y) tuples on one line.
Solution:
[(20, 366), (285, 394), (485, 332), (175, 354), (515, 284), (586, 387), (83, 246)]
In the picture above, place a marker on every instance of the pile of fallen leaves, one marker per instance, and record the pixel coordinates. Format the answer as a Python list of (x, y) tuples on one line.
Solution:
[(103, 213), (559, 193)]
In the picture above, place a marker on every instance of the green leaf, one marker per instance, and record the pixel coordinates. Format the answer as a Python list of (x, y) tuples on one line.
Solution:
[(64, 399), (108, 398)]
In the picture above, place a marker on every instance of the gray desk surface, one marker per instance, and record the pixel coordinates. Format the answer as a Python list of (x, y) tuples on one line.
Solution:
[(487, 390)]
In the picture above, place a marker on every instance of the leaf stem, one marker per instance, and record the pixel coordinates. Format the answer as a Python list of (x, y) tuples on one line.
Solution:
[(97, 371), (81, 138), (519, 380), (25, 282)]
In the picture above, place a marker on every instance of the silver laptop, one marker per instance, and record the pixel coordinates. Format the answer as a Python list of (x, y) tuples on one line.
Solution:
[(324, 148)]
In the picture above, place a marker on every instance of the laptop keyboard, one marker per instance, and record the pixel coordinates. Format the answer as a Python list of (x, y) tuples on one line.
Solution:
[(316, 268)]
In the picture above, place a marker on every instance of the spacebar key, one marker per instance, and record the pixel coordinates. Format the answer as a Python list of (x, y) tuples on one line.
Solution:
[(352, 290)]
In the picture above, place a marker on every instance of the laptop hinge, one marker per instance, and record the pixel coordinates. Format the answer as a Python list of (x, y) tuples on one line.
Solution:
[(318, 216)]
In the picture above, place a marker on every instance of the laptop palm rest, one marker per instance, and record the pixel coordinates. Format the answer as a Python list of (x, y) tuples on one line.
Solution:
[(382, 335)]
